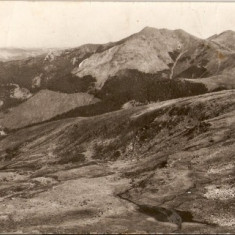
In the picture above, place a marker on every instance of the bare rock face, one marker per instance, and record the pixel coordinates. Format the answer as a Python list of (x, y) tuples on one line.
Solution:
[(20, 93)]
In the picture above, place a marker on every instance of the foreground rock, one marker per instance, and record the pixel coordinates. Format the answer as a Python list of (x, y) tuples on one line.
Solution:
[(163, 167)]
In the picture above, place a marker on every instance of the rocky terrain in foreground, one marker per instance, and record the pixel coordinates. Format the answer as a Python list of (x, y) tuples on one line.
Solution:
[(163, 167)]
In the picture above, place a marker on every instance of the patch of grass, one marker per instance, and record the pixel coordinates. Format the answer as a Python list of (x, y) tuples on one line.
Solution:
[(109, 151), (72, 158), (12, 152)]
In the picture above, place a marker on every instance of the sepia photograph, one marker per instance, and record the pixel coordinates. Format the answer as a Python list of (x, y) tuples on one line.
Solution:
[(117, 117)]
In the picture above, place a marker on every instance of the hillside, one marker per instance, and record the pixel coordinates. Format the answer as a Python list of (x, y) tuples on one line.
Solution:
[(49, 71), (168, 53), (225, 39), (43, 106), (163, 167), (148, 51), (218, 82)]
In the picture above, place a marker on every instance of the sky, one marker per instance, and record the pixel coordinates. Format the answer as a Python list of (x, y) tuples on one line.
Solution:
[(53, 24)]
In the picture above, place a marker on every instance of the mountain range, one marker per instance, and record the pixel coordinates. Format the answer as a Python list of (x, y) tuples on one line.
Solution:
[(151, 59), (8, 54), (133, 136)]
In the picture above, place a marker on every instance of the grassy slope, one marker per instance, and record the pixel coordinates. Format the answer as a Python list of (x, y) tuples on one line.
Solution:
[(64, 176), (43, 106), (222, 81)]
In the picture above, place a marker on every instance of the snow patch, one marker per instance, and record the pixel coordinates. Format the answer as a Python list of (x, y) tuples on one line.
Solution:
[(1, 103), (2, 132), (80, 65)]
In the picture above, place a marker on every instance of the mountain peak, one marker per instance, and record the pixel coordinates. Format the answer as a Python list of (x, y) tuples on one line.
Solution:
[(149, 31), (228, 32), (225, 38), (148, 28), (166, 32)]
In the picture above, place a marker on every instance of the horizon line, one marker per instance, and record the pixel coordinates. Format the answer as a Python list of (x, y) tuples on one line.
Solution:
[(70, 47)]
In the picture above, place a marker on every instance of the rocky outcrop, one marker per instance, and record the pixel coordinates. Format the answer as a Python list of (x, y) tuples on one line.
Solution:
[(20, 93)]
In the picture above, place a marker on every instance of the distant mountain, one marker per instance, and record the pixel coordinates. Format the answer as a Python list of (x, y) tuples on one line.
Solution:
[(149, 51), (171, 53), (7, 54), (47, 71), (226, 39)]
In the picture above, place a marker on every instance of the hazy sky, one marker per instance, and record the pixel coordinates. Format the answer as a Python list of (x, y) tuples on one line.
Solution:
[(69, 24)]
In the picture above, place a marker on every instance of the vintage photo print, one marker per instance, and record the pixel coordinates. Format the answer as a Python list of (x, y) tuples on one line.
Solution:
[(117, 117)]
